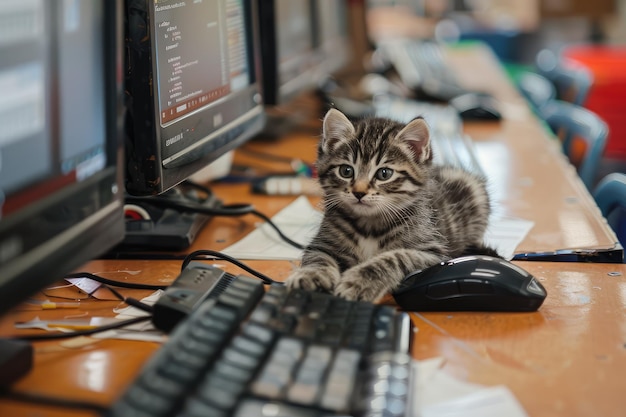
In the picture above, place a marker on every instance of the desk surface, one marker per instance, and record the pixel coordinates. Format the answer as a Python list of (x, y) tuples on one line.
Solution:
[(567, 359)]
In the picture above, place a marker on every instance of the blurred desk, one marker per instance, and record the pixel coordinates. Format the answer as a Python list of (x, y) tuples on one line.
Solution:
[(567, 359)]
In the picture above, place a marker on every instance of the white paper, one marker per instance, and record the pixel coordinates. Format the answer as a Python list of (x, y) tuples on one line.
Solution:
[(300, 221), (504, 234), (144, 331), (440, 395), (495, 401)]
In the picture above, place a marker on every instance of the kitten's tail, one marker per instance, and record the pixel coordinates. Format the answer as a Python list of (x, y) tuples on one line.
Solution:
[(480, 249)]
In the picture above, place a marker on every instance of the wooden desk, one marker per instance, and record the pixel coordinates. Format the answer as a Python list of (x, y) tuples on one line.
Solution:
[(567, 359)]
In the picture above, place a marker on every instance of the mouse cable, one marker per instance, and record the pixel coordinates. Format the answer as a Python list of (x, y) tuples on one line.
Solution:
[(86, 332), (230, 210), (211, 254)]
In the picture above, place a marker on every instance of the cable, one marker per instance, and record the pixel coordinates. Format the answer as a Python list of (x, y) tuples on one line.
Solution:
[(53, 401), (201, 254), (87, 332), (280, 233), (226, 210), (111, 282), (231, 210)]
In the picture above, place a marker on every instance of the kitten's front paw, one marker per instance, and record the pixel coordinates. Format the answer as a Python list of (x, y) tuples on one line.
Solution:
[(353, 286), (311, 279)]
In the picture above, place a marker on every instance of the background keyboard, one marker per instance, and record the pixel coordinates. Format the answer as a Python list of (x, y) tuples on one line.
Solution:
[(422, 68), (250, 352), (450, 145)]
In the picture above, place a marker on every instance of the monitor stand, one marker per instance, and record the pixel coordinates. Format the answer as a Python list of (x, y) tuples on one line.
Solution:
[(152, 227), (16, 359)]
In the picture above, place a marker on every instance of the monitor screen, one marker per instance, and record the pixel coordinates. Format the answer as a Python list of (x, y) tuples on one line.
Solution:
[(61, 194), (192, 87)]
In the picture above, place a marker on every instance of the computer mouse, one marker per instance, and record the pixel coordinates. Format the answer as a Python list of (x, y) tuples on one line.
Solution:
[(476, 106), (470, 283)]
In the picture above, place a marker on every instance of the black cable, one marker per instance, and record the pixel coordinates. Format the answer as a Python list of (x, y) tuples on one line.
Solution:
[(109, 284), (198, 186), (280, 233), (231, 210), (201, 254), (87, 332), (228, 210), (130, 301), (114, 283), (53, 401), (138, 304)]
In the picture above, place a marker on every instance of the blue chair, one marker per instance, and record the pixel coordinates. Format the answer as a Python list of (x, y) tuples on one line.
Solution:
[(571, 81), (572, 123), (536, 89), (610, 195)]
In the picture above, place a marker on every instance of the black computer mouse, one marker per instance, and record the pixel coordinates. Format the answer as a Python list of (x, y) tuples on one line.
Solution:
[(470, 283), (476, 106)]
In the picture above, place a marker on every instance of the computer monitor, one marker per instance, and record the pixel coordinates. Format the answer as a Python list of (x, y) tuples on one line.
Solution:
[(60, 174), (302, 42), (290, 61), (332, 35), (61, 189), (193, 87), (193, 95)]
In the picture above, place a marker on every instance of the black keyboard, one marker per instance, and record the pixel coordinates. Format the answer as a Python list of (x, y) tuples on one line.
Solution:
[(252, 352)]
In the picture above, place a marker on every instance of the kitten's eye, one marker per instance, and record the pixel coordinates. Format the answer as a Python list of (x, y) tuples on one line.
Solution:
[(384, 174), (346, 171)]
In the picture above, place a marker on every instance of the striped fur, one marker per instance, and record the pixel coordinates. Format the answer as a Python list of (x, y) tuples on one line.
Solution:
[(388, 210)]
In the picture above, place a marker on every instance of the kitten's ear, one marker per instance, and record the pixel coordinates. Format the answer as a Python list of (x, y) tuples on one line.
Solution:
[(337, 128), (417, 136)]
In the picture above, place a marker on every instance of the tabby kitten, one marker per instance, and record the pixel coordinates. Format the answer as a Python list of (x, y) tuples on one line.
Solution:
[(388, 210)]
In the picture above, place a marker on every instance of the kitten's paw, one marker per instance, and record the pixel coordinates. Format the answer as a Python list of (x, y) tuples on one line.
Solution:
[(311, 279), (353, 286)]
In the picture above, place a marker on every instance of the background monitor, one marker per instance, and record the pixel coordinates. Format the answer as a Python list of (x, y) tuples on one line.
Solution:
[(332, 35), (303, 42), (193, 87), (290, 61), (61, 194)]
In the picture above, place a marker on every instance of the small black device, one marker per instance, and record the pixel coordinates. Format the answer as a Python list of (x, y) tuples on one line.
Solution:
[(192, 287), (476, 106), (471, 283)]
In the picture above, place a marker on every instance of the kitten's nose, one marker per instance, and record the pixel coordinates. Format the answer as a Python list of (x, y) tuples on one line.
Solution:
[(359, 195)]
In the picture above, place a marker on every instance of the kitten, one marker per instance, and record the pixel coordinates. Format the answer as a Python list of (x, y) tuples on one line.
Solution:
[(388, 210)]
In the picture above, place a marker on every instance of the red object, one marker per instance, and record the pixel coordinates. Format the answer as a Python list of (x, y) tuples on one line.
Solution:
[(607, 96)]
